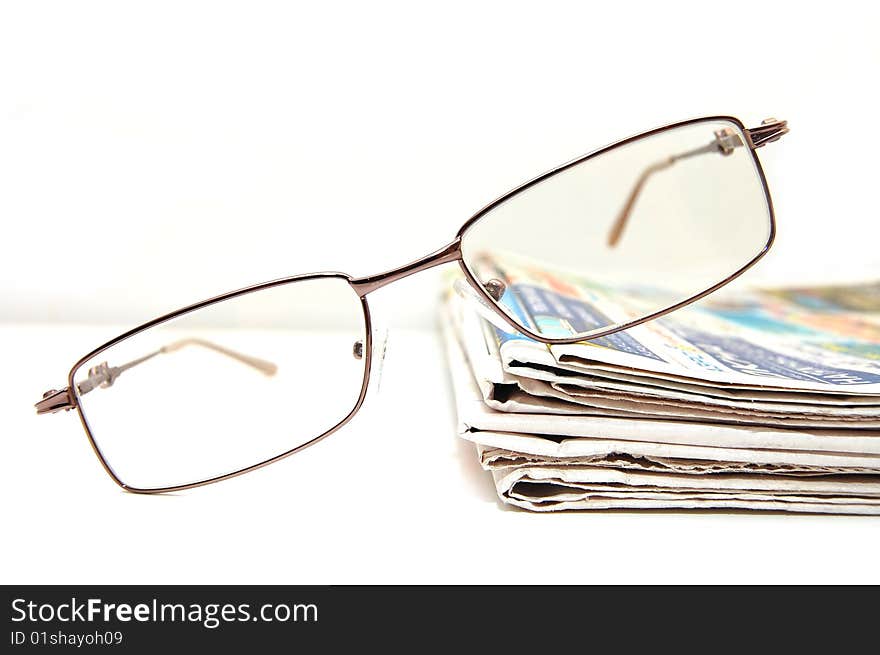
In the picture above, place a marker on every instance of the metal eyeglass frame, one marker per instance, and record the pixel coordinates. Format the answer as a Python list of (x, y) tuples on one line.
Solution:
[(66, 399)]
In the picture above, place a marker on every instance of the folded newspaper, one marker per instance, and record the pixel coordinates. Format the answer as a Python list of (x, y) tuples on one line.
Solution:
[(763, 400)]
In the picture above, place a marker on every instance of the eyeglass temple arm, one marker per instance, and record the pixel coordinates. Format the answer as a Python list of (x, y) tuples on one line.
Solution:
[(104, 375), (725, 142)]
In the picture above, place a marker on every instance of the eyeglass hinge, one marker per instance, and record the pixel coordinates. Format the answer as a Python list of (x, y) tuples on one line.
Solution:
[(768, 131), (55, 400)]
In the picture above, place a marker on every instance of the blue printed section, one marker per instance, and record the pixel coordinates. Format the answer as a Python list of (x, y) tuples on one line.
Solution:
[(558, 317), (746, 357), (513, 304), (757, 318)]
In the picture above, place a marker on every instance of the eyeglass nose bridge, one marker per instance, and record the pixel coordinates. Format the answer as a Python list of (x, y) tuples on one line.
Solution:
[(447, 254), (494, 288)]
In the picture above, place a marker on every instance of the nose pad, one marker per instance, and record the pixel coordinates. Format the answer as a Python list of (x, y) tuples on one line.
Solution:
[(380, 346), (380, 349), (495, 288), (481, 305), (377, 363)]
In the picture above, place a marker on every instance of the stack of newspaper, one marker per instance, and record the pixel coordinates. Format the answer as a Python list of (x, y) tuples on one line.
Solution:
[(759, 400)]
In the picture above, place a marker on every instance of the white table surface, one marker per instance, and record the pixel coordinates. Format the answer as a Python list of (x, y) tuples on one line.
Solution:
[(394, 497)]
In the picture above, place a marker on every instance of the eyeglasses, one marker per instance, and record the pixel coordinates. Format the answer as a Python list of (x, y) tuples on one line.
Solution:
[(232, 383)]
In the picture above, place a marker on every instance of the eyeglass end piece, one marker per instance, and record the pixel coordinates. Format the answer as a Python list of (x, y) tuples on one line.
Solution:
[(55, 400), (770, 130)]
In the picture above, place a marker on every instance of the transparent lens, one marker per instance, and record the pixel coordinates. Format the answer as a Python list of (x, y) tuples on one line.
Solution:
[(624, 234), (227, 386)]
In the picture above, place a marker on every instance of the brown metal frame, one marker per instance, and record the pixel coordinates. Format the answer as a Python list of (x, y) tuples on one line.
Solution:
[(595, 334), (67, 399), (368, 347)]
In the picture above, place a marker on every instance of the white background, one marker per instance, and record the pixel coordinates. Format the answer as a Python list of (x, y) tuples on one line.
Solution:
[(154, 154)]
